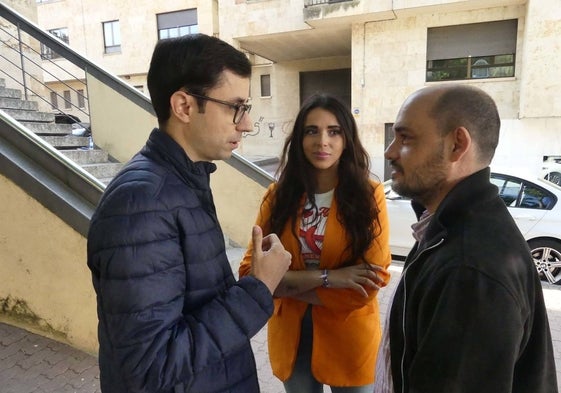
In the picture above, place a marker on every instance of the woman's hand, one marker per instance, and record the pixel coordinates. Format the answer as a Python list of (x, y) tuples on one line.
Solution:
[(356, 277)]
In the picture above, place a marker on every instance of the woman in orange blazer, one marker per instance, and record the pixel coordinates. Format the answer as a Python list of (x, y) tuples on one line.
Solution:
[(332, 218)]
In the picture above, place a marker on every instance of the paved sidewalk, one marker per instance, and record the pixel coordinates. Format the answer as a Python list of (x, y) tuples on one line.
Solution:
[(33, 364), (30, 363)]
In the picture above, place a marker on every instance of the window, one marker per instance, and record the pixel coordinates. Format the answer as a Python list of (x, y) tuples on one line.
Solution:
[(81, 98), (177, 24), (46, 52), (472, 51), (265, 85), (519, 193), (112, 36), (67, 99), (54, 100)]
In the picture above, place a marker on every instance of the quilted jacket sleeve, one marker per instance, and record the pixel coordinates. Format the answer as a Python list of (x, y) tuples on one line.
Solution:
[(139, 273)]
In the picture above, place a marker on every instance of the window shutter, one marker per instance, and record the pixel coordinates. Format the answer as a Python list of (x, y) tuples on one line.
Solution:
[(474, 39), (171, 20)]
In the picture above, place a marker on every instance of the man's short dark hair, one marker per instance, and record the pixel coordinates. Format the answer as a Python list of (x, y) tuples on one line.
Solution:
[(194, 62), (474, 109)]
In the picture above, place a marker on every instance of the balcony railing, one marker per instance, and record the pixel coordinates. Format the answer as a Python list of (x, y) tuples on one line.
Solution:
[(311, 3)]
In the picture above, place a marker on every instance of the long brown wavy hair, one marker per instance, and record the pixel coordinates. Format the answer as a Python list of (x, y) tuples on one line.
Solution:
[(357, 210)]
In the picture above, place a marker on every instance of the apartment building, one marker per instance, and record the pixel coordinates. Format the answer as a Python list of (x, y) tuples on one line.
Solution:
[(372, 54)]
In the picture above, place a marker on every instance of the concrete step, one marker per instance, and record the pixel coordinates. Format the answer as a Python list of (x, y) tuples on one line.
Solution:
[(48, 128), (21, 115), (14, 103), (67, 141), (87, 156), (76, 148), (103, 170), (10, 93)]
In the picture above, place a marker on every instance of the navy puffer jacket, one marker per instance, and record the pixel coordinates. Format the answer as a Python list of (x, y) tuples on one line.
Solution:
[(172, 318)]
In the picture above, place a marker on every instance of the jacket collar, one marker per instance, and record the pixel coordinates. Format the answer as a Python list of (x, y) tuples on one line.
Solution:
[(474, 190), (162, 145)]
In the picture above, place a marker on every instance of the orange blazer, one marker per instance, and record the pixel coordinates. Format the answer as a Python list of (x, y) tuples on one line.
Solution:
[(346, 327)]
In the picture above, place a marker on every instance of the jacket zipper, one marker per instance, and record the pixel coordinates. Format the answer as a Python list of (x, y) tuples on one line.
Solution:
[(404, 308)]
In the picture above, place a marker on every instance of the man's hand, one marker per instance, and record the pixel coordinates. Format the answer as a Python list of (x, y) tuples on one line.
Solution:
[(270, 260)]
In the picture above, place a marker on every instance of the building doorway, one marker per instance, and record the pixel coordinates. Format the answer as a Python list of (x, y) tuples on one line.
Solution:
[(336, 82)]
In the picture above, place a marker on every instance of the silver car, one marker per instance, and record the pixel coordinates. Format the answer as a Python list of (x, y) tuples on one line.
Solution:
[(534, 203)]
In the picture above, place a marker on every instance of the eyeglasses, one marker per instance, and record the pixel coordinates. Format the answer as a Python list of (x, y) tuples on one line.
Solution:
[(239, 109)]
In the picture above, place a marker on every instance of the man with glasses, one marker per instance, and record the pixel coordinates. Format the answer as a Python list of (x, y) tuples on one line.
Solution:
[(172, 318)]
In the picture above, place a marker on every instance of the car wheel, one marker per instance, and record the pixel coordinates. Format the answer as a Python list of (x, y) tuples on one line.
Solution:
[(547, 258), (554, 177)]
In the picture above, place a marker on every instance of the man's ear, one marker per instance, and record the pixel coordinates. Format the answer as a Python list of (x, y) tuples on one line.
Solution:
[(181, 105), (461, 143)]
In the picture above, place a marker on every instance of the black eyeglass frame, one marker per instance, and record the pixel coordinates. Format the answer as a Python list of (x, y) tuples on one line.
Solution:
[(239, 109)]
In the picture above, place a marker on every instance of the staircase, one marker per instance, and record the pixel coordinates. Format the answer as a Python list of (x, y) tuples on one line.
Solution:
[(77, 148)]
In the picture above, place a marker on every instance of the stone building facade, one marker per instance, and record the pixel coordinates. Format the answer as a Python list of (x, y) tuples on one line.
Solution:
[(371, 53)]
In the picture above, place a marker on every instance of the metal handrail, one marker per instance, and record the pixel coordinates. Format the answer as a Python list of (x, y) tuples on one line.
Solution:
[(23, 83)]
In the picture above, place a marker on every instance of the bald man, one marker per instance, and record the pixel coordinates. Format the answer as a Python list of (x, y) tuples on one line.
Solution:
[(468, 314)]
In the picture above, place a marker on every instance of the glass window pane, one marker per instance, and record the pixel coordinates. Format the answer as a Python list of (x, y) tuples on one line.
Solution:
[(536, 198), (67, 99), (107, 35), (116, 33), (81, 99), (502, 59), (265, 85), (54, 100), (508, 190)]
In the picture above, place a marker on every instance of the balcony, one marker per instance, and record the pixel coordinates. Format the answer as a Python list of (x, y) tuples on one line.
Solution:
[(281, 30), (311, 3)]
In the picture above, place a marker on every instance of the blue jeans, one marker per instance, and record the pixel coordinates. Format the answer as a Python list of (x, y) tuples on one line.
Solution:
[(302, 379)]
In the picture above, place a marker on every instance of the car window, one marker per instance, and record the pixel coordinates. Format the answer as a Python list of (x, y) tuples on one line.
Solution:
[(509, 190), (518, 193), (536, 198)]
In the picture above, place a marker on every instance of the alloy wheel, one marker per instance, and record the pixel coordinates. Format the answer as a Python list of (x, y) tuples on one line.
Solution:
[(547, 258)]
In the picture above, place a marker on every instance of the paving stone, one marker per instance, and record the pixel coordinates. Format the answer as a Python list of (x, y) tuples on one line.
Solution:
[(36, 358), (14, 360)]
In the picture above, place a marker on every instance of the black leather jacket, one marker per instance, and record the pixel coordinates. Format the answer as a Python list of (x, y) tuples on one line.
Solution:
[(468, 315)]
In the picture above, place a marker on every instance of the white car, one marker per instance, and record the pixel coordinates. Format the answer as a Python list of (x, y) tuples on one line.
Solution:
[(535, 205)]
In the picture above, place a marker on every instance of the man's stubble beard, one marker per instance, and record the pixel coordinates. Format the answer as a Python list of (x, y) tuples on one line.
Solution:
[(423, 183)]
